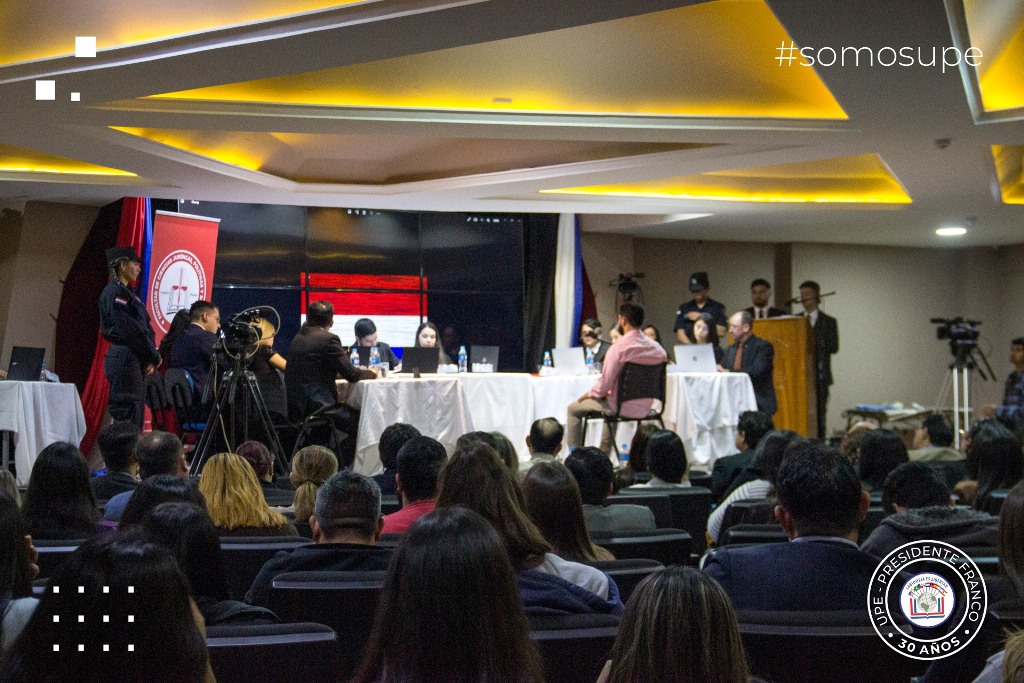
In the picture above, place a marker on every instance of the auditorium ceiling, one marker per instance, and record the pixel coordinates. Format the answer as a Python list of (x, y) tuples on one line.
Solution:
[(659, 118)]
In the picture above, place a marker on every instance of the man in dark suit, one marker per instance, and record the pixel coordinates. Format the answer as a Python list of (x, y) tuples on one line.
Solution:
[(760, 292), (820, 505), (197, 344), (826, 342), (590, 337), (316, 358), (752, 426), (754, 356)]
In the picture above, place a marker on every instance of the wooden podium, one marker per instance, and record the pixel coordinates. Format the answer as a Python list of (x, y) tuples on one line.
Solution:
[(795, 388)]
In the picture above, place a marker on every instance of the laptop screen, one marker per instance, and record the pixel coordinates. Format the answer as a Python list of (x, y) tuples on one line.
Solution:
[(26, 364)]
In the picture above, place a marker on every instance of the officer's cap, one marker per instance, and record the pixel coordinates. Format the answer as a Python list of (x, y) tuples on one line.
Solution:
[(115, 254)]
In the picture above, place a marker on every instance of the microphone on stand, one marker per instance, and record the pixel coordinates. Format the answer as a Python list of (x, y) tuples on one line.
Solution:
[(800, 300)]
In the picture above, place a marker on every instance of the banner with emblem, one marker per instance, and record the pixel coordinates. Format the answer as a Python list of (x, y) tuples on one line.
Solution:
[(180, 266)]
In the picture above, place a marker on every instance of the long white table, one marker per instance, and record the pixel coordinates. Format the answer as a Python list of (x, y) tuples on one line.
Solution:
[(38, 414), (702, 408)]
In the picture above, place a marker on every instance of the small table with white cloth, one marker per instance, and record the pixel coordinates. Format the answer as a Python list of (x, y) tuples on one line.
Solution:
[(703, 408), (37, 414)]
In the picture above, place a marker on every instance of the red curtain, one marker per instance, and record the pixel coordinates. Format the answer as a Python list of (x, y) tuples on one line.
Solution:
[(131, 233)]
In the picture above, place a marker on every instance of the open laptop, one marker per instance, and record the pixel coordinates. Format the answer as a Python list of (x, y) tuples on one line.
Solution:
[(695, 358), (420, 358), (483, 354), (569, 361), (26, 364)]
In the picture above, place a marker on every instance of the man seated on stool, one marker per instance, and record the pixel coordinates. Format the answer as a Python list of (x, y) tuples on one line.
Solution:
[(544, 442), (596, 478), (419, 466), (316, 358), (117, 446), (633, 347), (754, 356), (346, 526), (820, 505)]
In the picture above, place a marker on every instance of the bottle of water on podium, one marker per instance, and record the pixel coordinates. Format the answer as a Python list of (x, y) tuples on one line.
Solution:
[(547, 359), (462, 359), (354, 357), (374, 358)]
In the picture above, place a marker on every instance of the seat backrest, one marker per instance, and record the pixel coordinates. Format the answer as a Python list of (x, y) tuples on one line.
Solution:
[(345, 601), (874, 517), (389, 504), (628, 573), (179, 387), (751, 534), (690, 509), (658, 503), (53, 555), (993, 502), (641, 381), (244, 557), (278, 653), (951, 471), (752, 511), (156, 394), (668, 546), (575, 655), (799, 647)]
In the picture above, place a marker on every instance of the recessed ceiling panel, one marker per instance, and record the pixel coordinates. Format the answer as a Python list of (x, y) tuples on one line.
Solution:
[(1010, 170), (19, 160), (381, 160), (714, 59), (858, 179), (47, 28), (996, 28)]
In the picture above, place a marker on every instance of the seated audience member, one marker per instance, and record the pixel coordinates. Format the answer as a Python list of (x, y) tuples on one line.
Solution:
[(752, 426), (507, 452), (762, 478), (638, 446), (366, 335), (679, 626), (17, 570), (157, 453), (652, 332), (666, 459), (311, 467), (391, 441), (419, 466), (117, 446), (595, 476), (235, 501), (476, 478), (346, 527), (554, 504), (450, 609), (316, 358), (850, 445), (544, 442), (918, 504), (427, 336), (194, 349), (156, 490), (59, 504), (821, 506), (118, 578), (994, 461), (881, 451), (179, 323), (262, 462), (1009, 585), (933, 441), (590, 337), (187, 531), (1007, 664), (615, 334)]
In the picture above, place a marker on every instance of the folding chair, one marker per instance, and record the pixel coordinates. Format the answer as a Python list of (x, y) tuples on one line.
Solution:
[(635, 381)]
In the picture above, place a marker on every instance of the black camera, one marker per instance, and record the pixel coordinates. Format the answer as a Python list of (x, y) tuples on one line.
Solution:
[(957, 330), (242, 331)]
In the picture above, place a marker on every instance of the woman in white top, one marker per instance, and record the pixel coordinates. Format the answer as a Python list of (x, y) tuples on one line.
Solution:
[(17, 569), (770, 451), (666, 460)]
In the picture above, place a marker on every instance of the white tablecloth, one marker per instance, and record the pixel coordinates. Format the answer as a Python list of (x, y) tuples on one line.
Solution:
[(702, 408), (38, 414)]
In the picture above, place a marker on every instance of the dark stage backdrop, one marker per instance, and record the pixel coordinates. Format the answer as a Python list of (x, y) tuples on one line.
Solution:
[(482, 276)]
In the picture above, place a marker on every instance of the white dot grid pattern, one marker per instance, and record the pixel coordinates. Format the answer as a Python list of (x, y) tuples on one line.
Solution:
[(85, 46)]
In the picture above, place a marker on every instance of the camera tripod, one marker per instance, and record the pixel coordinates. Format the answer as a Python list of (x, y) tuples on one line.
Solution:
[(959, 376), (237, 385)]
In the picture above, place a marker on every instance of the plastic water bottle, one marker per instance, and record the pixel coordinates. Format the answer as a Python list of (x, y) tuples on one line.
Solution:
[(462, 359), (374, 358), (590, 361), (354, 357), (623, 454), (547, 359)]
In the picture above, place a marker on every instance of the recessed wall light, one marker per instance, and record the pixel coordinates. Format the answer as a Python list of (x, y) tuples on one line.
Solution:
[(951, 232)]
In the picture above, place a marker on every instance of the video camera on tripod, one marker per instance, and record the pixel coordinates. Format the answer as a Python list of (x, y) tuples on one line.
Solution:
[(244, 330), (962, 335)]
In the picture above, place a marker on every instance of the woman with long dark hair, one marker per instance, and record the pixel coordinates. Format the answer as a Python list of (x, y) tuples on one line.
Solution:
[(553, 501), (160, 488), (450, 609), (705, 331), (428, 336), (880, 452), (17, 569), (59, 504)]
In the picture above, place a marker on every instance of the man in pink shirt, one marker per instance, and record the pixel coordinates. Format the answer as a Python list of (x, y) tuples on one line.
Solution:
[(419, 465), (632, 347)]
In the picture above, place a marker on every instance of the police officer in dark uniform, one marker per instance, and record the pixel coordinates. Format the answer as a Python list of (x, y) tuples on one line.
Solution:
[(700, 303), (124, 323)]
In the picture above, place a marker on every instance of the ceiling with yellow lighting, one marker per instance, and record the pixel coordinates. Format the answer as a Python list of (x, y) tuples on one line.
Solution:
[(639, 109)]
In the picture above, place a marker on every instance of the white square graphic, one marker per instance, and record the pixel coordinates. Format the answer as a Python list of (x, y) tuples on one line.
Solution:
[(131, 618), (81, 589), (56, 589), (81, 648), (56, 618), (85, 46), (131, 589), (56, 648), (76, 97), (81, 618), (106, 618), (106, 589), (131, 648), (46, 90), (106, 647)]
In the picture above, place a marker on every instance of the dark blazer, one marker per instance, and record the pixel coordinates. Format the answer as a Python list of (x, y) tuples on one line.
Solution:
[(192, 352), (602, 349), (759, 362), (826, 338), (111, 484), (772, 312), (316, 358), (726, 471), (801, 575)]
